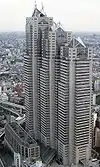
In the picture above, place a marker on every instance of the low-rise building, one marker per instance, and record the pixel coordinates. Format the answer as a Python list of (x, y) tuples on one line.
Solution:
[(36, 164), (21, 142)]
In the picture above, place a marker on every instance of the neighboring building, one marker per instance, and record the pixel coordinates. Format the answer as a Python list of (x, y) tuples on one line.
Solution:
[(97, 137), (58, 89), (16, 99), (94, 118), (37, 164), (17, 159), (97, 85), (97, 132), (4, 97), (94, 99), (12, 118), (20, 142), (4, 85), (0, 90)]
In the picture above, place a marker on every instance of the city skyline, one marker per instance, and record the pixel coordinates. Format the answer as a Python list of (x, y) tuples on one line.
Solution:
[(74, 15)]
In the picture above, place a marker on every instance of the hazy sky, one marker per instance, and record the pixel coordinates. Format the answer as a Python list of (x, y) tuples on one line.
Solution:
[(75, 15)]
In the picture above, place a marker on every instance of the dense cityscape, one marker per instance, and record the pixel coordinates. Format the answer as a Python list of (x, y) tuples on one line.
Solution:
[(49, 96)]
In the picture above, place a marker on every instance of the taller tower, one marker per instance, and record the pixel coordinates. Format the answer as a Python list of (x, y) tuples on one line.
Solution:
[(39, 77)]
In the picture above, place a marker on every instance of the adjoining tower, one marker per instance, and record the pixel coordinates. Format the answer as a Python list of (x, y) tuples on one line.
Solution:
[(75, 102)]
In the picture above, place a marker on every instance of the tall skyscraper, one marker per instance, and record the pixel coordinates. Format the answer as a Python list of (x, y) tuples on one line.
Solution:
[(75, 102), (58, 88)]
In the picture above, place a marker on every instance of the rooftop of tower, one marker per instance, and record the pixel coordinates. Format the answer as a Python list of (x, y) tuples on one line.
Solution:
[(38, 12), (81, 42), (76, 41)]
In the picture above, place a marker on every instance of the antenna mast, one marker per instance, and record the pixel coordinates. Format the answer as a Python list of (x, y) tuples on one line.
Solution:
[(35, 5)]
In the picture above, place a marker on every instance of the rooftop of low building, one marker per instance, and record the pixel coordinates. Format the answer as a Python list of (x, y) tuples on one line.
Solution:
[(22, 134)]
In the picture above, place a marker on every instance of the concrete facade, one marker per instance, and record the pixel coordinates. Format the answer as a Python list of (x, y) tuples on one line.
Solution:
[(58, 89)]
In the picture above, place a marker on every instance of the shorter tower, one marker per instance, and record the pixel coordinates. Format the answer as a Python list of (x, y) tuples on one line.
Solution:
[(75, 103)]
